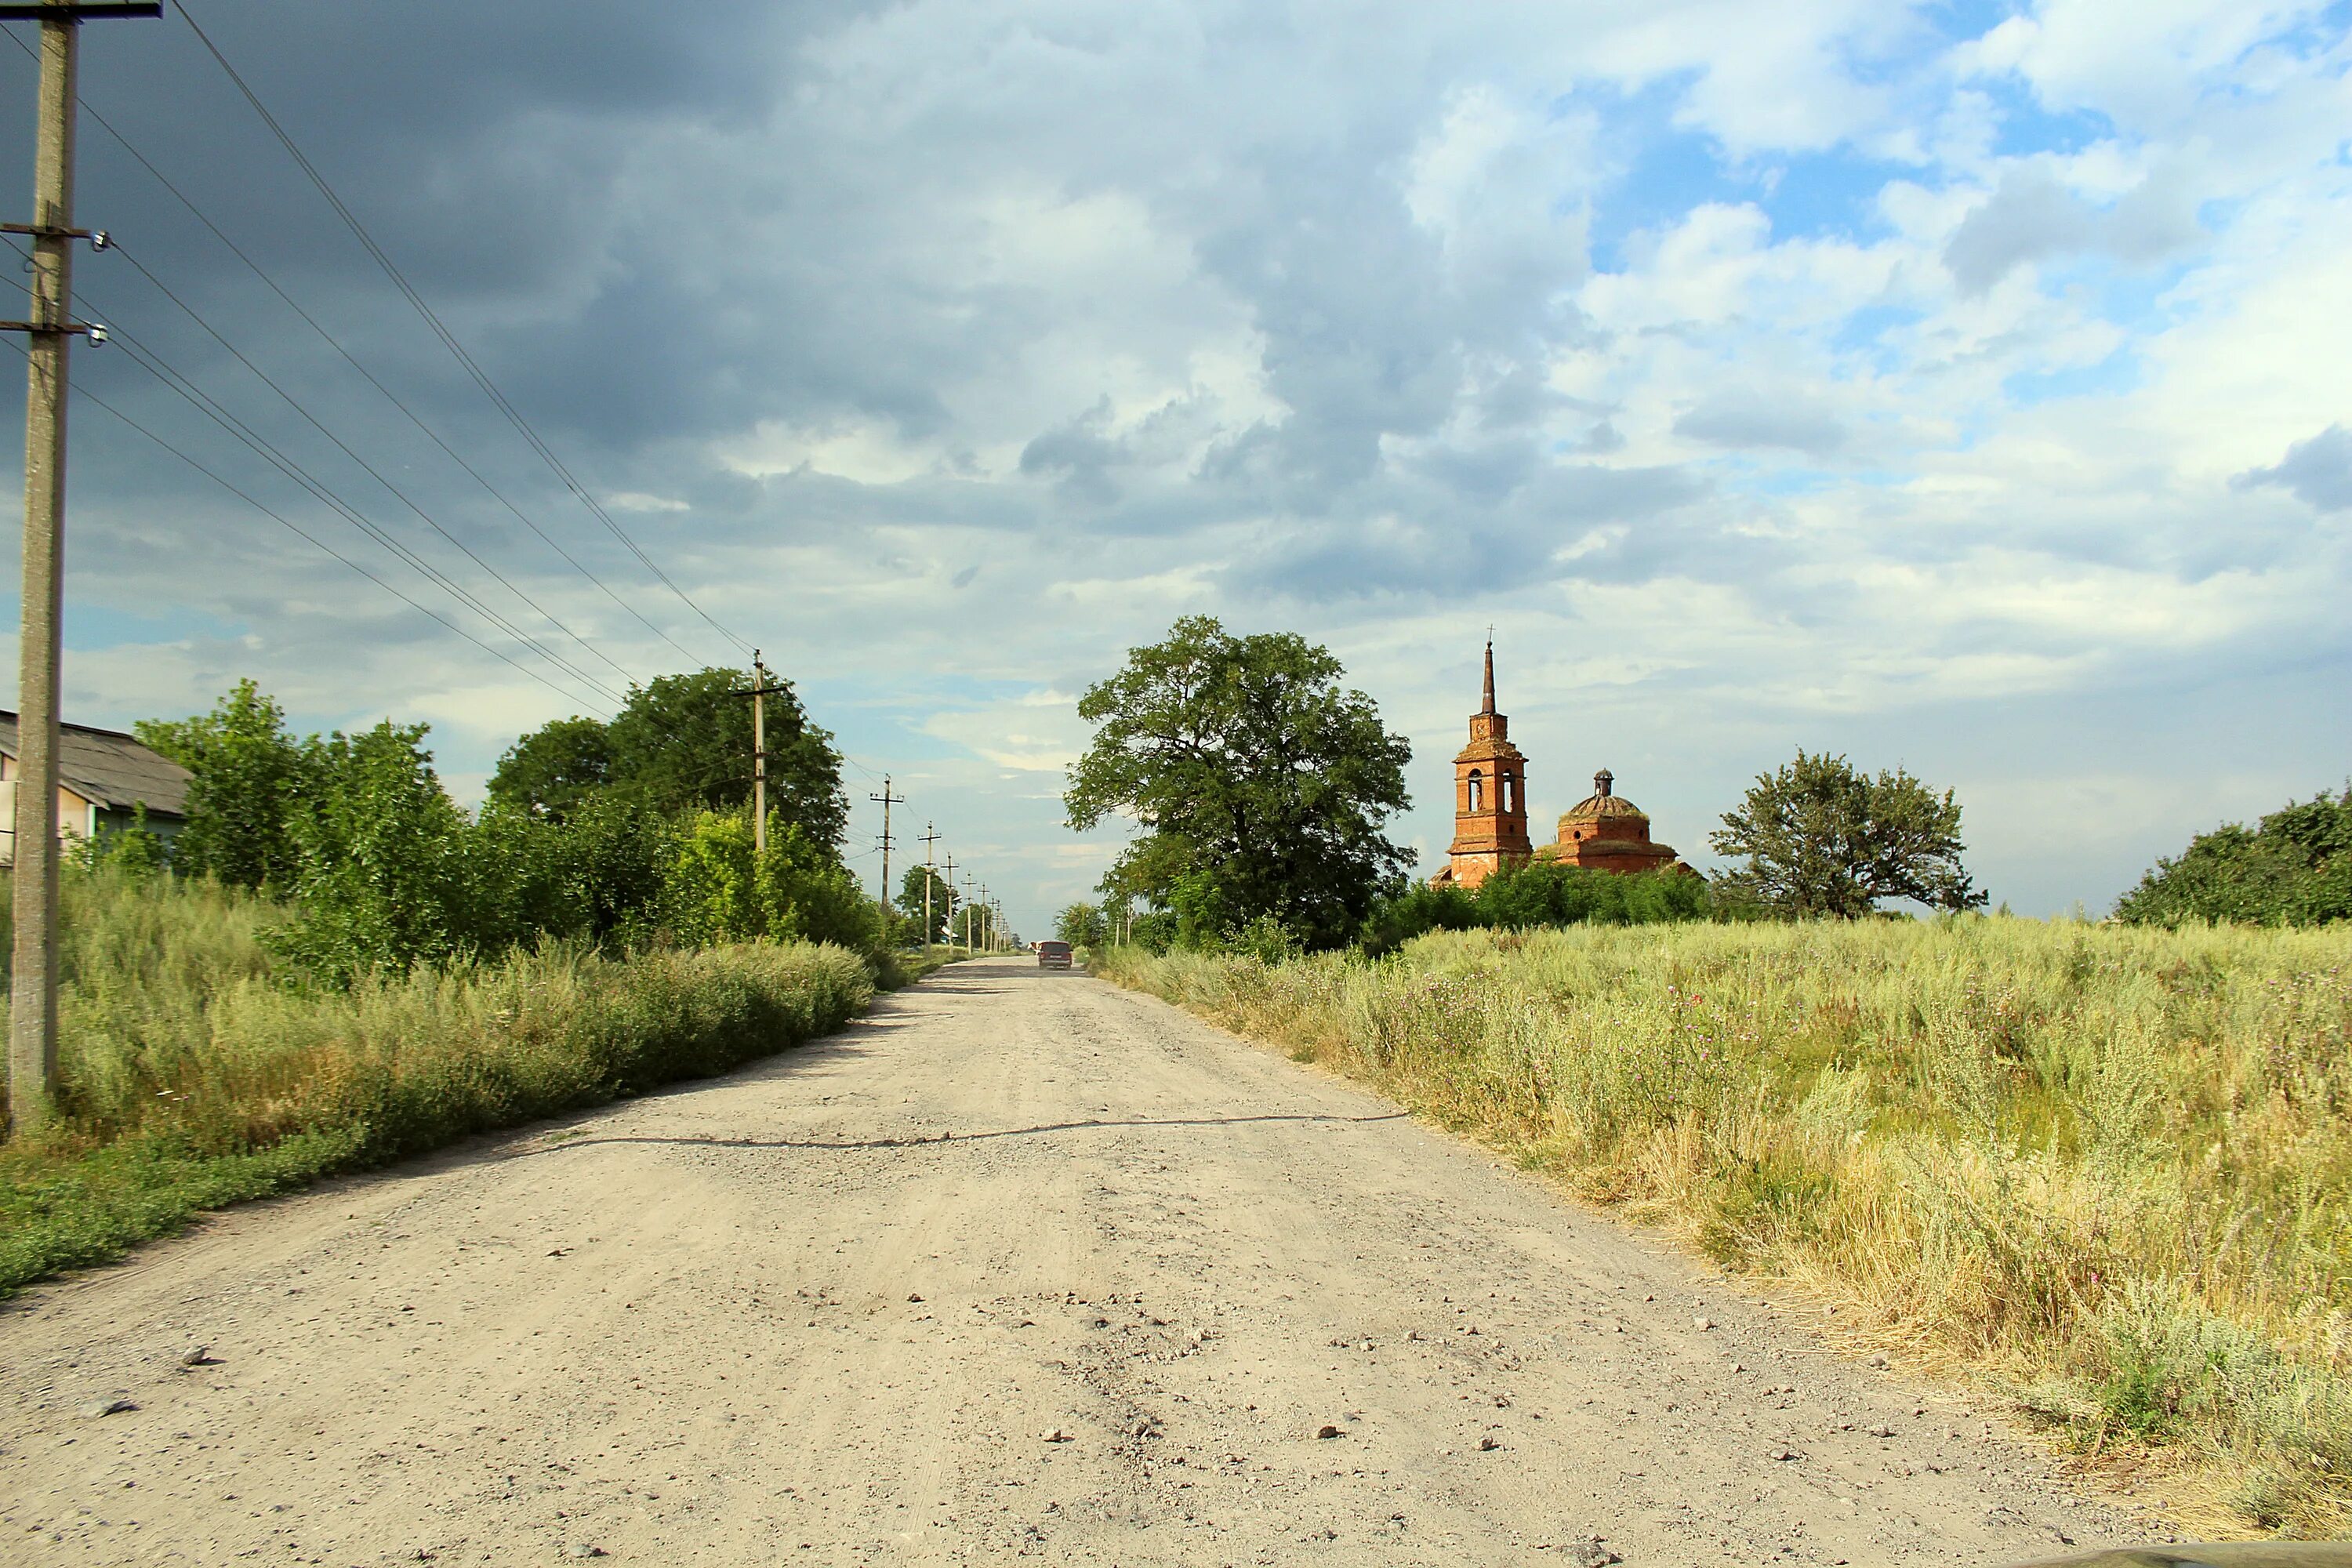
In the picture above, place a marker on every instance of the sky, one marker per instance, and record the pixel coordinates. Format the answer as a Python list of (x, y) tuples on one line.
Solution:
[(1959, 387)]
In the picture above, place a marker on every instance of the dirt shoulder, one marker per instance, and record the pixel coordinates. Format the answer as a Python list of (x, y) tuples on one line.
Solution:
[(1020, 1264)]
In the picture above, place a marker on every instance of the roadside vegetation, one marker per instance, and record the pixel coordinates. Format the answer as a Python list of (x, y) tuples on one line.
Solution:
[(191, 1076), (2104, 1170), (332, 966)]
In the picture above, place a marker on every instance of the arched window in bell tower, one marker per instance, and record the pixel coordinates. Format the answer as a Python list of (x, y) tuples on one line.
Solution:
[(1505, 788), (1478, 784)]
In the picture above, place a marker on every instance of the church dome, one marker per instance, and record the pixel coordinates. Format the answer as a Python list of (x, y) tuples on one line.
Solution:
[(1602, 804)]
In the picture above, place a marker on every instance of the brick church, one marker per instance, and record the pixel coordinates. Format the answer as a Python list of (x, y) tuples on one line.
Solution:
[(1603, 832)]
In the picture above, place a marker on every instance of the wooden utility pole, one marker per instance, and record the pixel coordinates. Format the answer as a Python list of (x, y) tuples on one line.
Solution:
[(930, 839), (759, 755), (49, 324), (887, 800)]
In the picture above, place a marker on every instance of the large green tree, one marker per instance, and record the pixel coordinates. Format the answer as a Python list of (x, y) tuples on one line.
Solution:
[(379, 850), (1081, 925), (1821, 837), (682, 743), (2294, 869), (943, 901), (247, 777), (1261, 783), (554, 770)]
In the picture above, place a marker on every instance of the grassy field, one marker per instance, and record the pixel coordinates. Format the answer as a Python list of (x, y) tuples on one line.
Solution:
[(192, 1078), (2104, 1171)]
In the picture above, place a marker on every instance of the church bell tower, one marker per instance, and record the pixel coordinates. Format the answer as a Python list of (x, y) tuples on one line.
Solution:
[(1490, 807)]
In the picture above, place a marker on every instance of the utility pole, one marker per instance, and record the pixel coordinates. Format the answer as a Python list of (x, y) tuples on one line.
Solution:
[(759, 696), (887, 800), (930, 874), (951, 898), (49, 324), (971, 935)]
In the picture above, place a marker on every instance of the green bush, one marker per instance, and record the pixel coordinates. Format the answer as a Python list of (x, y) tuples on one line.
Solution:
[(1539, 895), (2294, 869)]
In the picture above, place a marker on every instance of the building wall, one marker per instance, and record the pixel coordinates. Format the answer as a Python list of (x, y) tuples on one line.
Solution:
[(76, 817)]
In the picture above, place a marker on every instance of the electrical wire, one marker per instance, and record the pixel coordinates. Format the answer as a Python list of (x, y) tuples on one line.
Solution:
[(147, 359), (394, 398), (85, 394), (372, 471), (440, 329), (155, 364)]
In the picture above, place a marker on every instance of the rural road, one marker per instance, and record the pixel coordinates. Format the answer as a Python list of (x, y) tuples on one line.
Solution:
[(1020, 1266)]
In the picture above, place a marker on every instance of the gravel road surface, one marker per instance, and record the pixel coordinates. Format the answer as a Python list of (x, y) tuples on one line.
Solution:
[(1020, 1266)]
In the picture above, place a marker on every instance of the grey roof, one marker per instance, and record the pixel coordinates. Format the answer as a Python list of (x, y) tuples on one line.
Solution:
[(111, 768)]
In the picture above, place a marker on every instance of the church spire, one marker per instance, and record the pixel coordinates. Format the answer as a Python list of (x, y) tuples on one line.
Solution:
[(1488, 706)]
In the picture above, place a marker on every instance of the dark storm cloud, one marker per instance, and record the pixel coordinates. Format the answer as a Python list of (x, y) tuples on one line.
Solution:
[(2318, 471)]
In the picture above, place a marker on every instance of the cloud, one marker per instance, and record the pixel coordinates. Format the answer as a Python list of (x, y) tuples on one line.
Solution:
[(2032, 216), (1747, 422), (2318, 472)]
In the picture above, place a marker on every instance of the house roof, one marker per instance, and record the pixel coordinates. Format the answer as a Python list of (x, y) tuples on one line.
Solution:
[(111, 768)]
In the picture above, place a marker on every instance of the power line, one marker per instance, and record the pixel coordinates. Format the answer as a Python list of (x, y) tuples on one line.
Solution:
[(173, 379), (372, 472), (440, 329), (147, 359), (162, 369), (322, 544), (155, 365), (369, 376)]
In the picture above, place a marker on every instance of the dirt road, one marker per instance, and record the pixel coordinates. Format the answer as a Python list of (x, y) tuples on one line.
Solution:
[(1021, 1265)]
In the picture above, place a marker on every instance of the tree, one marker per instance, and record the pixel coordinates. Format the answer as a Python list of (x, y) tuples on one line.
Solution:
[(683, 742), (1260, 784), (1081, 925), (1822, 838), (943, 901), (379, 877), (246, 776), (551, 771), (2294, 869)]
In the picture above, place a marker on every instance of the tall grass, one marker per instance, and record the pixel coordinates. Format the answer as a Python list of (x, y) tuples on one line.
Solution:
[(2107, 1170), (189, 1076)]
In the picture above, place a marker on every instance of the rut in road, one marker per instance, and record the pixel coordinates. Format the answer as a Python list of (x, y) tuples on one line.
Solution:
[(1020, 1264)]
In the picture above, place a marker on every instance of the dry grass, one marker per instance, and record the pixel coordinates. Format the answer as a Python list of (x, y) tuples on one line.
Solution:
[(191, 1077), (2107, 1171)]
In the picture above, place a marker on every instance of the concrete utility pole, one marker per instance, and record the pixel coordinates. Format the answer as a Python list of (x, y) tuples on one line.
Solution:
[(931, 872), (49, 324), (758, 755), (887, 800)]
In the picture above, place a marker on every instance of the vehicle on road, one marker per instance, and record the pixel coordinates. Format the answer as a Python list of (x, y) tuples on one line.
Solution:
[(1053, 956)]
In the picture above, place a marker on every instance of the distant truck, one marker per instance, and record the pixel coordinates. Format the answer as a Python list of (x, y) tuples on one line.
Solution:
[(1053, 956)]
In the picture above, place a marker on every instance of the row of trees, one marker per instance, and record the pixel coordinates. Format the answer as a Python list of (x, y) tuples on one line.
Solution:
[(1263, 788), (619, 834)]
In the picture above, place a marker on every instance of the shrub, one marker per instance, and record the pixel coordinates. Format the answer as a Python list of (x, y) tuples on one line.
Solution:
[(2294, 869)]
